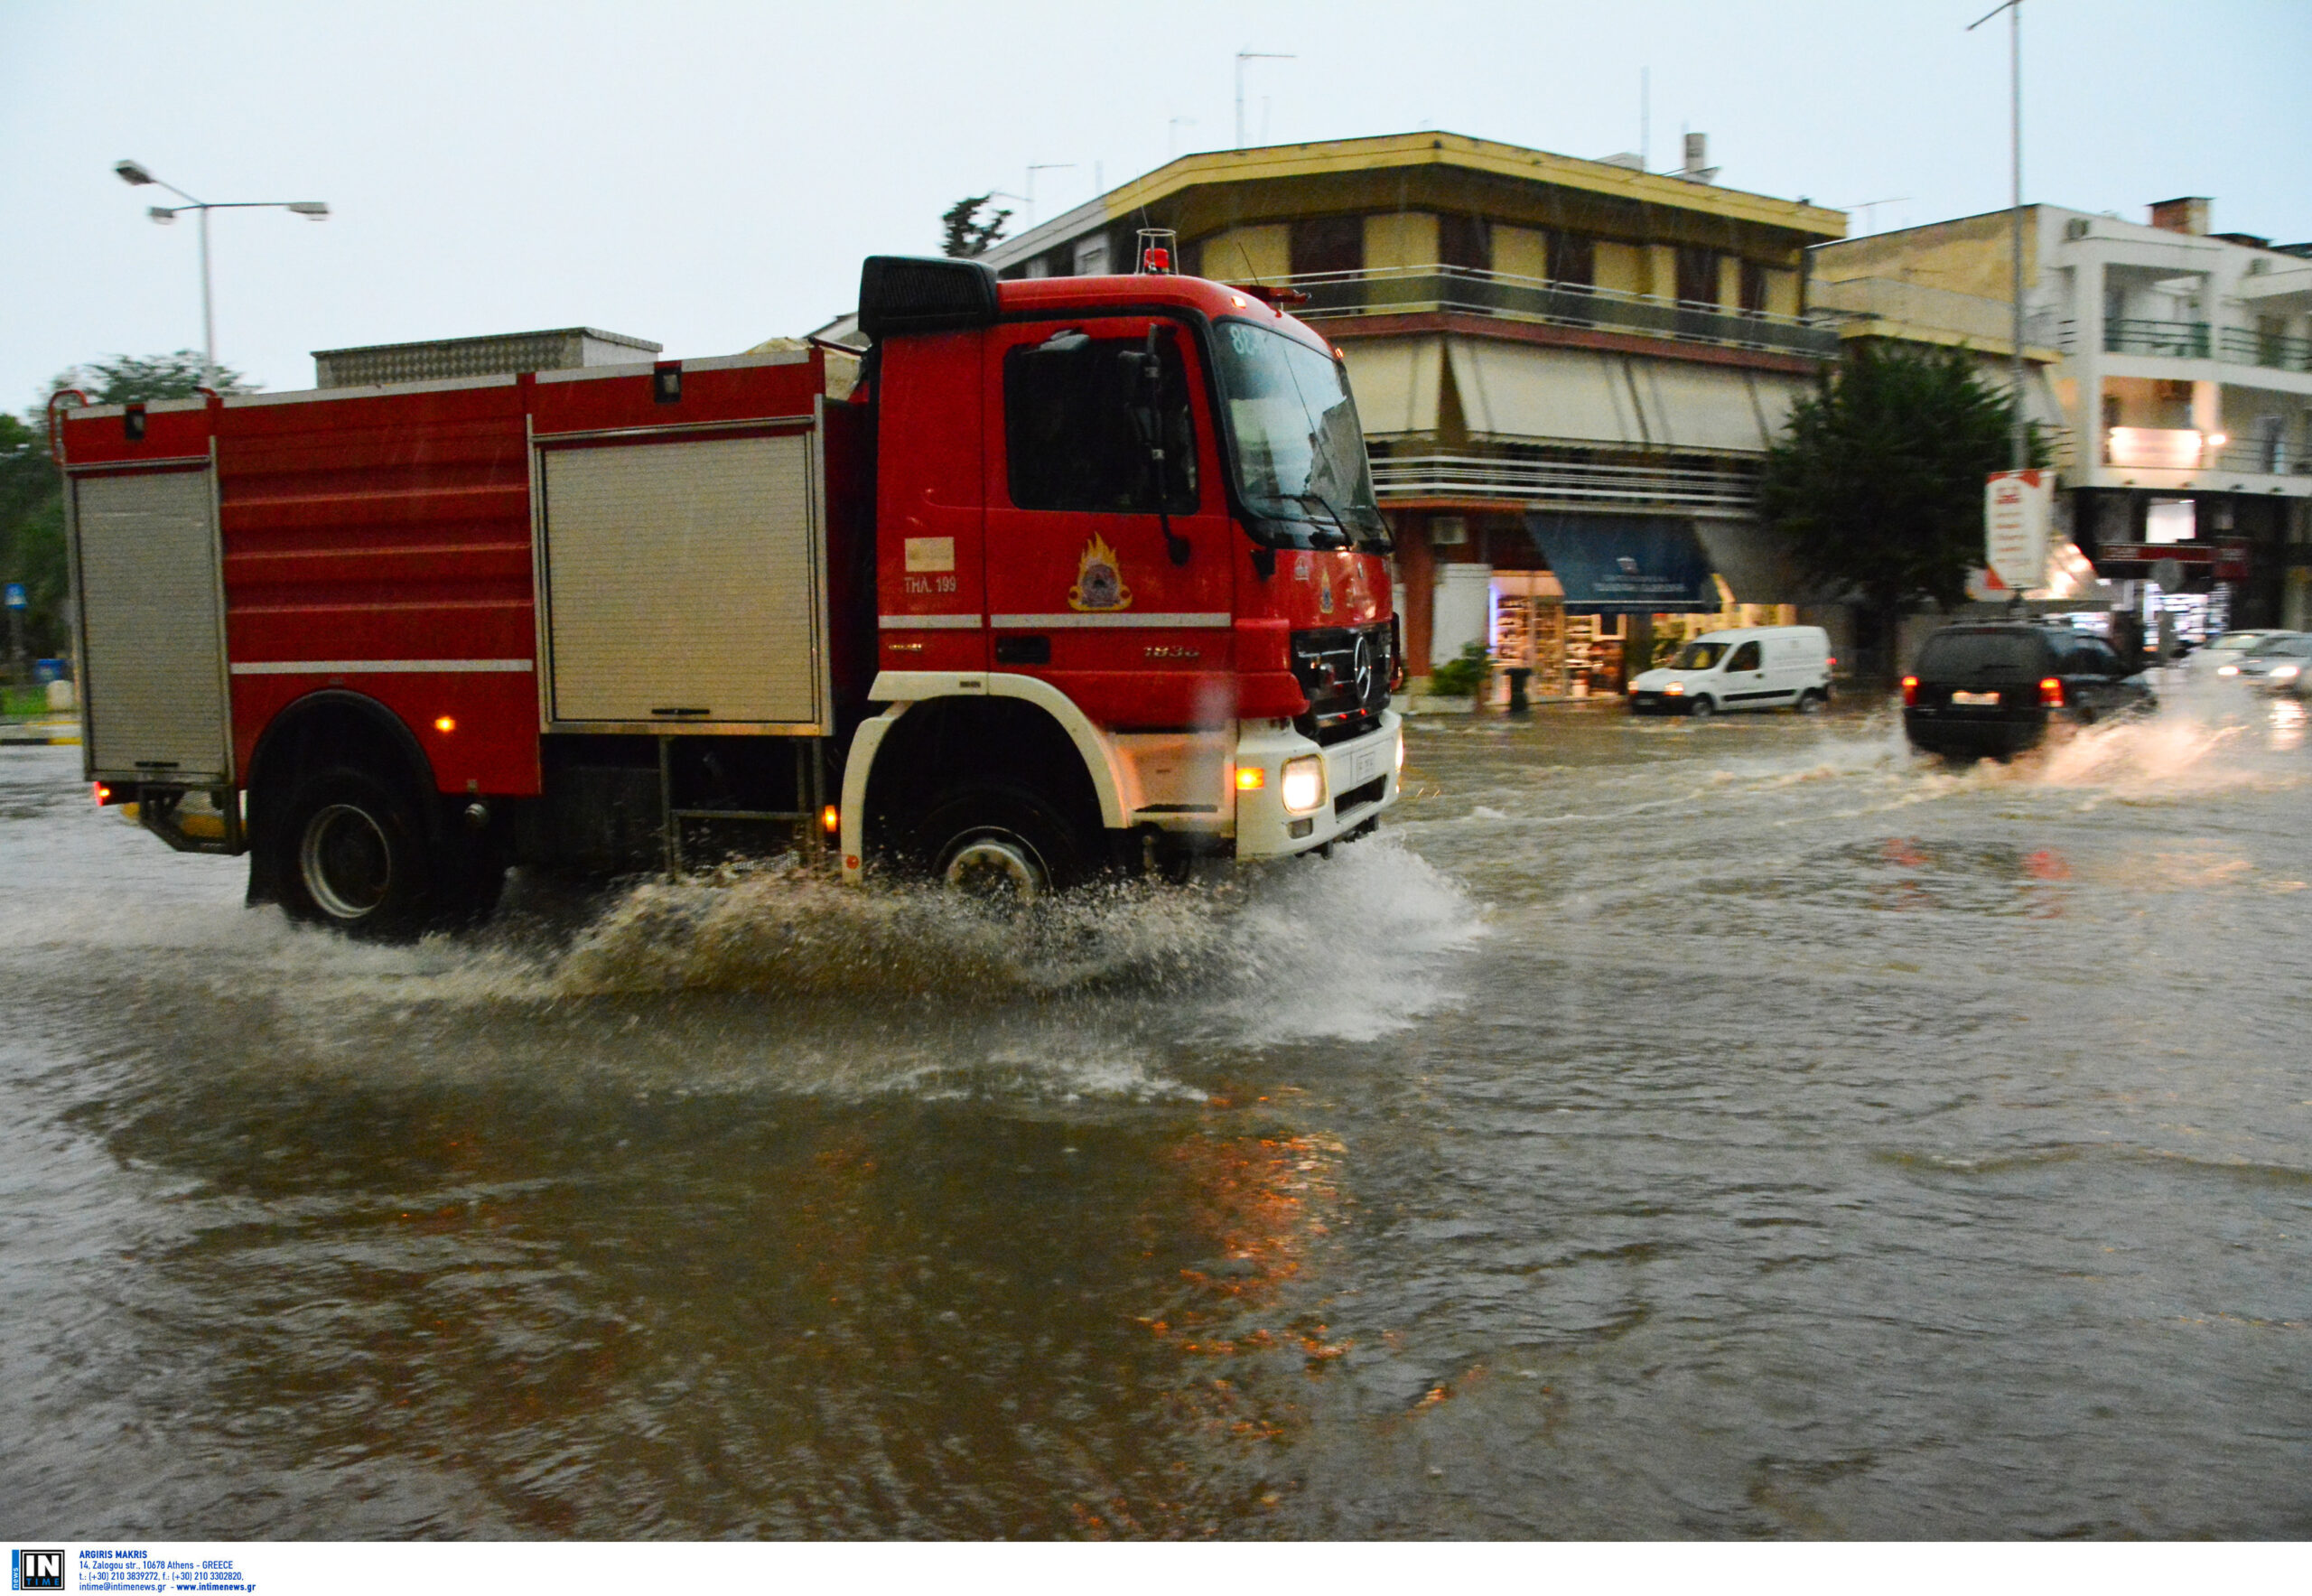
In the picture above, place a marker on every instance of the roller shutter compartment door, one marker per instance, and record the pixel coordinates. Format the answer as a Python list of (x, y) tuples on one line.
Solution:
[(153, 674), (685, 577)]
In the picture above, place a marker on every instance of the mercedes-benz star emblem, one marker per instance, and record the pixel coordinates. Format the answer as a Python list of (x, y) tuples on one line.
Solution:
[(1368, 666)]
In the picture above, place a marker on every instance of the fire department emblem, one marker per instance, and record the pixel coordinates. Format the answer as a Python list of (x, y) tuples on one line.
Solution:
[(1325, 592), (1099, 579)]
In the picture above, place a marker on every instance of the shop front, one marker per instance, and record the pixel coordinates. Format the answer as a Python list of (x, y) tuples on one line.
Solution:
[(1581, 601)]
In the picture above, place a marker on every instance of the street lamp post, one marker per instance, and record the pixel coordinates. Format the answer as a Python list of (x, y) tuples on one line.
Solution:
[(136, 176), (2014, 9)]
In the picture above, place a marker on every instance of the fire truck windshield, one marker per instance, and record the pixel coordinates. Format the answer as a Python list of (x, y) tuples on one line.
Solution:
[(1300, 452)]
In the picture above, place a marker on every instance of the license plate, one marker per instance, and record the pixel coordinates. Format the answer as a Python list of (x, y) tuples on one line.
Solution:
[(1976, 699)]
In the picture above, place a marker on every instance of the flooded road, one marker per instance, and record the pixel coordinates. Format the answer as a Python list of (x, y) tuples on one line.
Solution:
[(1742, 1130)]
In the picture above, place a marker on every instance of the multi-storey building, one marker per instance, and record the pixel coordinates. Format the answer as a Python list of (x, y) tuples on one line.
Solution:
[(1568, 370), (2179, 371)]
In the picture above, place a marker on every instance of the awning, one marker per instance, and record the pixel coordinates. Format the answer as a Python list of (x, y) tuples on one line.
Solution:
[(1626, 563), (1691, 405), (1395, 382), (1759, 565), (1515, 391)]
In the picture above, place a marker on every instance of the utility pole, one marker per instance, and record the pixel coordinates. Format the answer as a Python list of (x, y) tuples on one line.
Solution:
[(2018, 445), (1242, 57)]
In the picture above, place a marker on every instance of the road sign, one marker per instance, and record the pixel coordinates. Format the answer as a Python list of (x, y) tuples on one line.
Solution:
[(2015, 527), (15, 597)]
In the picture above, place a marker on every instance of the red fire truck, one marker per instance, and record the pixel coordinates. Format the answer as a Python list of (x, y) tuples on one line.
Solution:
[(1082, 574)]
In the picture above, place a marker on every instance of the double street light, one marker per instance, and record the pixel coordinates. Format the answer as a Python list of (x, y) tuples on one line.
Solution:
[(136, 176)]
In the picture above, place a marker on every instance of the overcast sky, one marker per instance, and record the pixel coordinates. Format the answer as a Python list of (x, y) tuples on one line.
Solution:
[(706, 175)]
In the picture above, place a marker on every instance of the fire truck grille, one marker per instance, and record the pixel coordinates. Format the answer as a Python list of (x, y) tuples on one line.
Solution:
[(1346, 672)]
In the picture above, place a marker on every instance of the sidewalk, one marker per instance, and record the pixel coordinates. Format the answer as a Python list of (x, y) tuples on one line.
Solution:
[(53, 731)]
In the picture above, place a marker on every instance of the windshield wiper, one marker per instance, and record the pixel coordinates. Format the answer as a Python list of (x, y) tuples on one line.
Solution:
[(1320, 501)]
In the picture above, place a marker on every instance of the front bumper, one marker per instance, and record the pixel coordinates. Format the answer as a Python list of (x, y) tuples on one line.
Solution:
[(1360, 781), (1653, 702)]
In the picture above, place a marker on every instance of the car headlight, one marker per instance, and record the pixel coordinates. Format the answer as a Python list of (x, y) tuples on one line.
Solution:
[(1302, 787), (2284, 673), (1674, 689), (2227, 670)]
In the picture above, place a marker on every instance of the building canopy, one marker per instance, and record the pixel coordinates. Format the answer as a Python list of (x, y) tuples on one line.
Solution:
[(1614, 563)]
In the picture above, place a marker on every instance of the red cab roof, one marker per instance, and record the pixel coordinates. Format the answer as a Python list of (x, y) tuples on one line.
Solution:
[(1062, 295)]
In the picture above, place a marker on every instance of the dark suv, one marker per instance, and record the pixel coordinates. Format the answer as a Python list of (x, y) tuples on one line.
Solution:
[(1995, 687)]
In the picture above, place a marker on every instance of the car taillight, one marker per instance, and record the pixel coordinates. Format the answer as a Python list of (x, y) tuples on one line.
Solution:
[(1910, 691), (2051, 692)]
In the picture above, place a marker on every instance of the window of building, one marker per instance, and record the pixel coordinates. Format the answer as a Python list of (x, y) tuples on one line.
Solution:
[(1465, 241), (1753, 288), (1573, 259), (1327, 244), (1071, 433), (1697, 274), (1092, 256)]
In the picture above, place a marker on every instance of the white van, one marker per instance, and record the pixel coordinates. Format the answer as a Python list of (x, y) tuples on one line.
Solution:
[(1746, 667)]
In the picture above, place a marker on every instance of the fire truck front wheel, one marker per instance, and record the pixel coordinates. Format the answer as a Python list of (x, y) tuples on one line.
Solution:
[(352, 854), (1000, 844)]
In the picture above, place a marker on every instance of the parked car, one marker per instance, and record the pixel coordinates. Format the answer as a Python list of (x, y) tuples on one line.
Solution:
[(1997, 687), (2280, 663), (1742, 667)]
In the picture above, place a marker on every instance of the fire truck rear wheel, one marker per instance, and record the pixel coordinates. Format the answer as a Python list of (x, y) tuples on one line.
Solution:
[(1000, 844), (353, 855)]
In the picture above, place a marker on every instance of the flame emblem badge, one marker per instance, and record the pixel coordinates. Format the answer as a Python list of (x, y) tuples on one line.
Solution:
[(1099, 579)]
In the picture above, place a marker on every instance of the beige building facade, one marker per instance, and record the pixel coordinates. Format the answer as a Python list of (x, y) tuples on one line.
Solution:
[(1563, 367)]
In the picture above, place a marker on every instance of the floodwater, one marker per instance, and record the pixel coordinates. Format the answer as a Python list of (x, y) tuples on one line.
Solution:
[(1742, 1130)]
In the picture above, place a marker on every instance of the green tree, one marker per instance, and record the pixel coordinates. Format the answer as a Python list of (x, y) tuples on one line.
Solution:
[(138, 380), (1879, 476), (32, 501), (966, 233)]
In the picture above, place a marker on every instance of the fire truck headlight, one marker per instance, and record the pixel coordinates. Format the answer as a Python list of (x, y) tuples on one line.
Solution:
[(1304, 784)]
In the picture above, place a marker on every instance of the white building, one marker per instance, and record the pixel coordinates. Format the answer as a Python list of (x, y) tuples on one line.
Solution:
[(2178, 362)]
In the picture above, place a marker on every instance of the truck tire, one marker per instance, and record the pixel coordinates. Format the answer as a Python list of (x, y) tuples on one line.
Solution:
[(351, 853), (1001, 844)]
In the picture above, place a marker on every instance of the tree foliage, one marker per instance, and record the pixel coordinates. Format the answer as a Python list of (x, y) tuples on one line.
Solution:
[(31, 500), (138, 380), (968, 234), (1879, 476)]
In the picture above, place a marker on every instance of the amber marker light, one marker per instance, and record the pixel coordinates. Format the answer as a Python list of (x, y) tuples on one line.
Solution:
[(444, 724), (1910, 691), (1250, 779), (830, 820)]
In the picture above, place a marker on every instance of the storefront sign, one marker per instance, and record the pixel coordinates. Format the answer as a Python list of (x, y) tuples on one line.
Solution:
[(2015, 506), (1620, 564)]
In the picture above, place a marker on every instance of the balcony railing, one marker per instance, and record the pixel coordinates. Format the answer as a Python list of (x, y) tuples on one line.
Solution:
[(1389, 291), (1469, 476), (2187, 339), (2264, 457), (2251, 348)]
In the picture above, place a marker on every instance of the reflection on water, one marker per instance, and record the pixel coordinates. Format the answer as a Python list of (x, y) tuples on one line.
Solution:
[(1746, 1130)]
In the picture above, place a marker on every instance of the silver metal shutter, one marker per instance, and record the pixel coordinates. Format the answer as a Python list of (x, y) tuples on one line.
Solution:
[(151, 607), (685, 577)]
